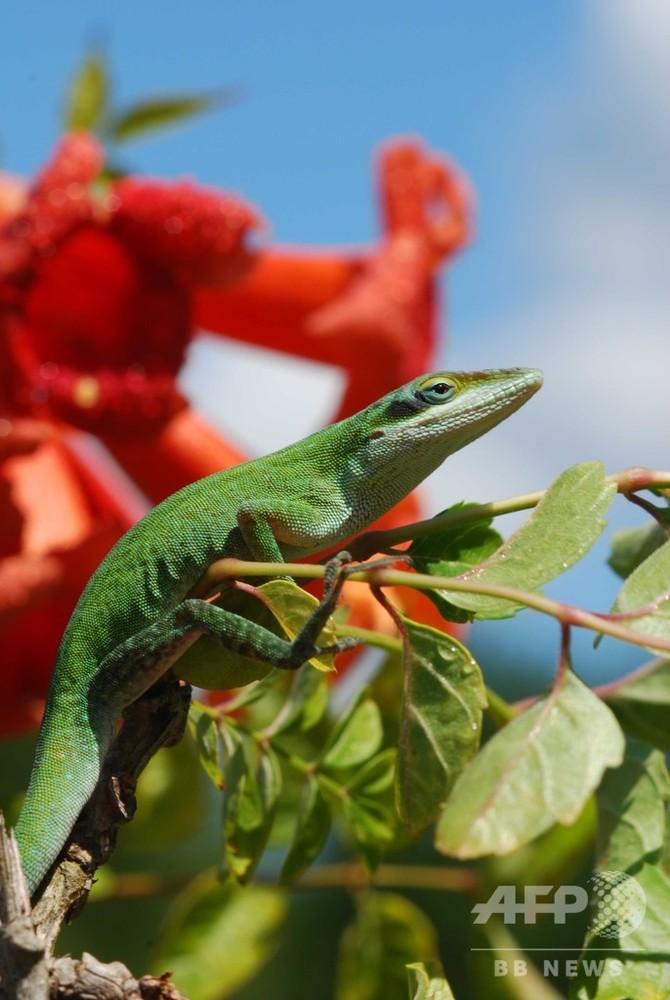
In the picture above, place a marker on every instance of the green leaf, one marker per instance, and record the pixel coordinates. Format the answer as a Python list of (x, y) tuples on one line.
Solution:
[(632, 801), (313, 826), (452, 552), (440, 725), (163, 112), (540, 769), (371, 823), (563, 527), (376, 775), (553, 856), (642, 704), (305, 705), (203, 725), (87, 97), (387, 935), (365, 800), (206, 664), (256, 691), (423, 986), (252, 788), (638, 963), (504, 947), (631, 546), (651, 935), (648, 587), (356, 737), (216, 936)]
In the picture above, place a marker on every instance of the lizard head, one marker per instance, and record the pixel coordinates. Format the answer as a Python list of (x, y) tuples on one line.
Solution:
[(409, 432)]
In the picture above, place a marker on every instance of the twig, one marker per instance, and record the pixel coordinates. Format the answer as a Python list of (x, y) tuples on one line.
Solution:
[(352, 875)]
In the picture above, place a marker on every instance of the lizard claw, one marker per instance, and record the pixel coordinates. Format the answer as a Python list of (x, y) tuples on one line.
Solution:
[(341, 566)]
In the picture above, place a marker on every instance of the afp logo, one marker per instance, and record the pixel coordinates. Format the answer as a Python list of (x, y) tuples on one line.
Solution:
[(616, 899)]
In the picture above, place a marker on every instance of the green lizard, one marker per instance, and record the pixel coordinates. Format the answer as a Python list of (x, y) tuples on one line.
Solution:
[(134, 618)]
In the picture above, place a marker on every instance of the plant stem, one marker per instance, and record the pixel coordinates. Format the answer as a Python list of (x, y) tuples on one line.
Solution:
[(627, 482), (352, 875), (566, 614)]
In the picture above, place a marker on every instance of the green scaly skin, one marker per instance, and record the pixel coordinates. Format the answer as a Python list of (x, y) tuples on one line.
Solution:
[(133, 619)]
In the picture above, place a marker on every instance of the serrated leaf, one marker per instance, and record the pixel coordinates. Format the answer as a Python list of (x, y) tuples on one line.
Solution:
[(162, 112), (642, 704), (452, 552), (631, 546), (356, 737), (313, 826), (540, 769), (648, 587), (632, 801), (423, 986), (87, 96), (252, 788), (203, 725), (563, 527), (440, 723), (216, 936), (388, 933)]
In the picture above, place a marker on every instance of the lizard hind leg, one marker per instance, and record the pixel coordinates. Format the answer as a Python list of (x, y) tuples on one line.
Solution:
[(250, 639)]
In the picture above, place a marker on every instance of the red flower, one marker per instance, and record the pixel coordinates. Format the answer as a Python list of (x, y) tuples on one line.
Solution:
[(102, 287), (60, 514), (97, 291), (376, 314)]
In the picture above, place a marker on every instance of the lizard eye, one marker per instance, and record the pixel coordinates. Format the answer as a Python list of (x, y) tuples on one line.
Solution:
[(438, 390)]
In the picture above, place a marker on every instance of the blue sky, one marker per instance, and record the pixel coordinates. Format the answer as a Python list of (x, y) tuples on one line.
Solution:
[(558, 112)]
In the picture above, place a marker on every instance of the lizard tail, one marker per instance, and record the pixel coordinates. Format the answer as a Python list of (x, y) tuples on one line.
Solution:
[(66, 770)]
